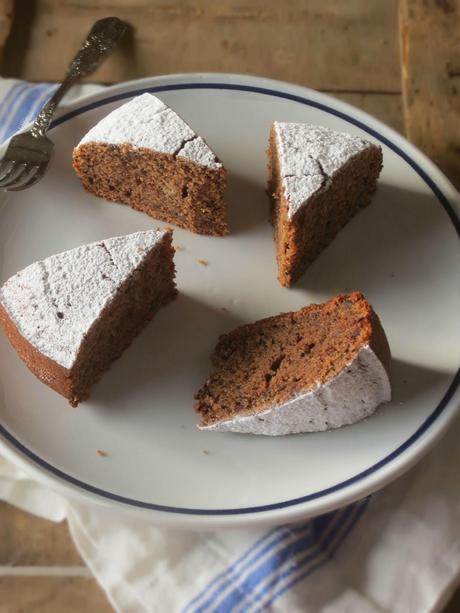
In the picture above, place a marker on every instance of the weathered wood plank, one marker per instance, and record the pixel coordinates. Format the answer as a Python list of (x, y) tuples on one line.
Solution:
[(430, 47), (327, 44), (51, 595), (26, 540), (454, 604), (386, 107), (6, 12)]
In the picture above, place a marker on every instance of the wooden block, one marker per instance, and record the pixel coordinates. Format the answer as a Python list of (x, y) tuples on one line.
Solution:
[(327, 44), (454, 604), (386, 107), (430, 45), (26, 540), (6, 12), (51, 595)]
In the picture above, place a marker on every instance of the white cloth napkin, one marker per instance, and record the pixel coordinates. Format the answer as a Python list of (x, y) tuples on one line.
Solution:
[(396, 552)]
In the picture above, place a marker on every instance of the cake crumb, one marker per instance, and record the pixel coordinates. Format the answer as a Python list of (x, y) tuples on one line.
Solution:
[(202, 262), (101, 453), (206, 451), (178, 248)]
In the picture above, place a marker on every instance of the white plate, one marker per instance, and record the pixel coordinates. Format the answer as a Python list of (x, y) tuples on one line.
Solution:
[(402, 252)]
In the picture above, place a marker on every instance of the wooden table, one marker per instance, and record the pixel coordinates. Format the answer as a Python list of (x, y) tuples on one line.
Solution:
[(400, 61)]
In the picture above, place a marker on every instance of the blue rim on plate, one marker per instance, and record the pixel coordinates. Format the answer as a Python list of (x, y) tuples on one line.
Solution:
[(443, 200)]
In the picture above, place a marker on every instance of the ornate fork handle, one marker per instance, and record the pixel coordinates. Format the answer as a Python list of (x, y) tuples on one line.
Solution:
[(99, 43)]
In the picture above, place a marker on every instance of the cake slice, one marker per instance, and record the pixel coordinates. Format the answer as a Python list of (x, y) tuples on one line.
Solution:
[(144, 155), (322, 367), (318, 179), (69, 316)]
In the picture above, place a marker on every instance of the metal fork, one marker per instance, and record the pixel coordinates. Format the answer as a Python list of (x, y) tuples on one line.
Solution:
[(29, 153)]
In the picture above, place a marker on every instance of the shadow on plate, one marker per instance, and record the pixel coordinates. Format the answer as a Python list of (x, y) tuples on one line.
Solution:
[(410, 381), (171, 352), (381, 243), (248, 204)]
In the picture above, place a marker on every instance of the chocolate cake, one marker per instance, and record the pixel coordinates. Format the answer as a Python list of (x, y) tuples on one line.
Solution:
[(70, 315), (322, 367), (144, 155), (318, 180)]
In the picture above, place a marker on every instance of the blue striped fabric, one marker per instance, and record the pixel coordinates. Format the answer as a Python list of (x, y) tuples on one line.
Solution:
[(21, 105), (314, 560), (283, 556), (276, 563)]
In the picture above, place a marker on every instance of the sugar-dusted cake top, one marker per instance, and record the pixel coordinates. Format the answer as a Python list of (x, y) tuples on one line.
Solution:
[(145, 121), (54, 302), (309, 156)]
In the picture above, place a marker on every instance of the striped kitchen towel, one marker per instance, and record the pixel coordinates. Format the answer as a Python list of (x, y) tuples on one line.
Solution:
[(397, 552), (20, 102)]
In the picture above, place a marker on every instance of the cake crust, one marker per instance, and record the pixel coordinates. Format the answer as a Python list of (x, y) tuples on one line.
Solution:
[(44, 368)]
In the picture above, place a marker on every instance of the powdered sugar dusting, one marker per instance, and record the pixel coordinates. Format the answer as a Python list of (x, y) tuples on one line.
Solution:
[(297, 188), (146, 122), (310, 156), (349, 397), (54, 302), (198, 151)]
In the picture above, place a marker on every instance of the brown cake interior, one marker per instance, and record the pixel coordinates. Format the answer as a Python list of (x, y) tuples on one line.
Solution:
[(162, 185), (135, 303), (301, 239), (269, 361)]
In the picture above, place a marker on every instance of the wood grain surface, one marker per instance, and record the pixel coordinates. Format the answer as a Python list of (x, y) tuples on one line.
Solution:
[(6, 14), (430, 52), (49, 594), (326, 44), (30, 541)]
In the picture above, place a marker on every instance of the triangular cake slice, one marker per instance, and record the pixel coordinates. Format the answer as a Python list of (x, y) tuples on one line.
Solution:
[(144, 155), (70, 315), (322, 367), (318, 180)]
